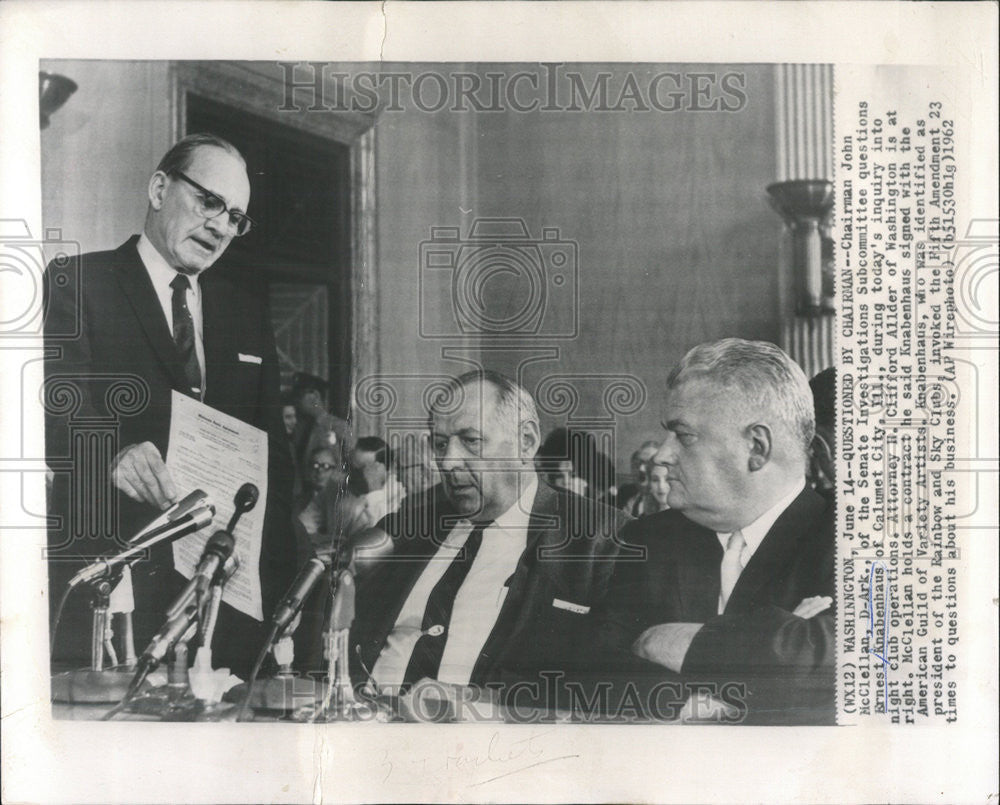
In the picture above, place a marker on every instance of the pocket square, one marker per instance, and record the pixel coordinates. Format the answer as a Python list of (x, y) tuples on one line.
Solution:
[(250, 358), (579, 609)]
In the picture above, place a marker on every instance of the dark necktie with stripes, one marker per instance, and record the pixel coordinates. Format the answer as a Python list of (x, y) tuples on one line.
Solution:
[(184, 335), (425, 661)]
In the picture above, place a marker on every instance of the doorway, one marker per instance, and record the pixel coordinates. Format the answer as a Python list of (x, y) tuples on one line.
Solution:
[(299, 251)]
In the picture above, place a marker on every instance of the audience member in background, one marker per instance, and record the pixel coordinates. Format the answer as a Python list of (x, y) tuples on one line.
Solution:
[(315, 426), (373, 481), (823, 463), (414, 465), (629, 493), (599, 470), (657, 488), (569, 459), (321, 470), (558, 463), (341, 510), (289, 416)]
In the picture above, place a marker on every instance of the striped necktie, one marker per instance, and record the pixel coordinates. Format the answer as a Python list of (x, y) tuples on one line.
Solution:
[(184, 335)]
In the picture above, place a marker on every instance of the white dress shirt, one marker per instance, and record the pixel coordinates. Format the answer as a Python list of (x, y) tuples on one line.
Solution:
[(477, 603), (755, 532), (161, 275)]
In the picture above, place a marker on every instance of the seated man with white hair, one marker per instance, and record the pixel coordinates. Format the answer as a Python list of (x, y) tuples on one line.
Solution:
[(734, 596)]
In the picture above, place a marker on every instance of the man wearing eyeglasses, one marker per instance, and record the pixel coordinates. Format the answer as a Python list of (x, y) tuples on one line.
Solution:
[(150, 311)]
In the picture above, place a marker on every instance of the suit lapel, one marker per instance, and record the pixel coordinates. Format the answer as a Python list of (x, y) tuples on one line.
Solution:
[(775, 551), (138, 289), (219, 380)]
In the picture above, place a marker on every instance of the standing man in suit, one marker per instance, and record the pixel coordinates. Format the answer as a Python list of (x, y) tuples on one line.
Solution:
[(739, 576), (149, 312), (493, 573)]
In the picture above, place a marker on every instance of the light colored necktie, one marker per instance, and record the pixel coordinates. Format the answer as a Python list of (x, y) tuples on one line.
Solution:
[(732, 565)]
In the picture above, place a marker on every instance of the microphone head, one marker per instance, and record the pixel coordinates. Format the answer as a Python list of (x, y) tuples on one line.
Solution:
[(221, 544), (187, 505), (246, 497), (196, 499), (203, 515)]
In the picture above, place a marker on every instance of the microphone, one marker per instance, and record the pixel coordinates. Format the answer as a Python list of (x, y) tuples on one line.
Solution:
[(181, 526), (184, 506), (169, 634), (211, 615), (293, 600), (359, 555), (184, 611), (221, 544), (217, 550), (244, 500)]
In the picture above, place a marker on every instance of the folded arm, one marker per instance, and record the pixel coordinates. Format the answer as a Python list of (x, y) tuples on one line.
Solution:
[(762, 640)]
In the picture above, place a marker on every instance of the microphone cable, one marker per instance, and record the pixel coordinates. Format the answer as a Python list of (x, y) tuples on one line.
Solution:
[(58, 618), (133, 688), (262, 654)]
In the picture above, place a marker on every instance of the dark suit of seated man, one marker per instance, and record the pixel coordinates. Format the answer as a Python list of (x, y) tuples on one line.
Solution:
[(493, 574), (734, 597)]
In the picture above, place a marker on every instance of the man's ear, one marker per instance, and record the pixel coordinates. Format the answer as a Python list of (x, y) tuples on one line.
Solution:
[(157, 187), (761, 445), (530, 440)]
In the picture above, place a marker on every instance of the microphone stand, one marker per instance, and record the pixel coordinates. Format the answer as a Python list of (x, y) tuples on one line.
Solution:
[(282, 690), (100, 683), (209, 708), (186, 618), (339, 702)]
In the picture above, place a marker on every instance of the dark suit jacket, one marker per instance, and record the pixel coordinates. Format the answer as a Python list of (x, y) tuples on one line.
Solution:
[(785, 662), (571, 549), (105, 329)]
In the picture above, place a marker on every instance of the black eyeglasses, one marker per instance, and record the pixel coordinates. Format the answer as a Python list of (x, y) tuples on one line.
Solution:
[(211, 206)]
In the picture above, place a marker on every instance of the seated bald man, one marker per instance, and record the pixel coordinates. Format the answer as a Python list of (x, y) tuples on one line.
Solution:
[(494, 573)]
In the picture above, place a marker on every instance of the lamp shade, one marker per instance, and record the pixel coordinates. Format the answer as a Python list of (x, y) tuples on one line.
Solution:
[(53, 91), (804, 204)]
